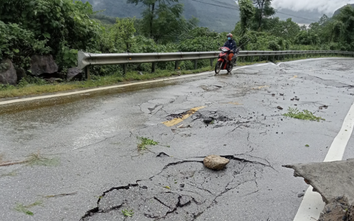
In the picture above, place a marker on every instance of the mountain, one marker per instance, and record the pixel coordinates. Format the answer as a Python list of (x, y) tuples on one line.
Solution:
[(217, 15), (338, 10), (300, 17)]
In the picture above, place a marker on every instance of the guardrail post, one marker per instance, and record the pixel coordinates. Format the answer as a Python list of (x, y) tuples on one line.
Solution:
[(211, 62), (153, 67), (176, 65), (124, 69), (195, 64), (87, 73), (251, 59)]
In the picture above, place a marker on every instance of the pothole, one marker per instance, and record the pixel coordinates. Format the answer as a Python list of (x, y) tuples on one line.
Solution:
[(181, 191), (211, 87), (211, 119)]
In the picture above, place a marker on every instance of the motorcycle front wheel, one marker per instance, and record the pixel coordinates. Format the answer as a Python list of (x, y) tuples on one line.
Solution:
[(218, 67), (229, 68)]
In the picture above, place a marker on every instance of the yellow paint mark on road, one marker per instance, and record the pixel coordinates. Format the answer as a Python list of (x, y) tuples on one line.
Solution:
[(295, 76), (235, 103), (260, 87), (185, 116)]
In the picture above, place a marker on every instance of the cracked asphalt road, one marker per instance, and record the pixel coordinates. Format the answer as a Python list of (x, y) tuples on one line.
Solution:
[(95, 140)]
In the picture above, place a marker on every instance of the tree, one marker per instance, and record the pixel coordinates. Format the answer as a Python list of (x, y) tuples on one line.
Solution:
[(285, 29), (344, 26), (247, 11), (337, 32), (122, 34), (155, 15), (263, 9)]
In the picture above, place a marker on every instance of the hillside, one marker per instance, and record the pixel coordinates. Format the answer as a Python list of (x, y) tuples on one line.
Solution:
[(218, 15), (338, 10)]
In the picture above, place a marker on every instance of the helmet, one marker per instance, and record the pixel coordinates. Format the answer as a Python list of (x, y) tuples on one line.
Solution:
[(229, 35)]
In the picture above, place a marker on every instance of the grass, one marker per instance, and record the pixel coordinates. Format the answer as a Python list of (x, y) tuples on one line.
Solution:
[(33, 89), (302, 115), (38, 160), (25, 208), (34, 160), (146, 142), (10, 174), (127, 213)]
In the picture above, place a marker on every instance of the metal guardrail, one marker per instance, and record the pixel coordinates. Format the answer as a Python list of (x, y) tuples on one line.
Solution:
[(89, 59)]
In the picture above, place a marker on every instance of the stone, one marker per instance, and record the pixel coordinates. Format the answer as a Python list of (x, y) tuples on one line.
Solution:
[(215, 162), (54, 80), (43, 64), (7, 73), (74, 74), (20, 74)]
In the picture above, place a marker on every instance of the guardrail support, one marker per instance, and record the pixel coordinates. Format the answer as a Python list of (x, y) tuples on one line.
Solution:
[(176, 65), (87, 73), (195, 64), (124, 69), (153, 67), (211, 62)]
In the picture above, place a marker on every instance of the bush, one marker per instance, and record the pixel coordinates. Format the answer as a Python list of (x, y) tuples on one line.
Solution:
[(274, 46), (18, 44), (59, 25)]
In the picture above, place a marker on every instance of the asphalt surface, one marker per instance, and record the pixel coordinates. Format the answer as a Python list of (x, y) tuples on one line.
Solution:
[(89, 166)]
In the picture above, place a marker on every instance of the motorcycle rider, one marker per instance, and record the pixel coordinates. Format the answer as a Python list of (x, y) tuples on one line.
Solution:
[(230, 43)]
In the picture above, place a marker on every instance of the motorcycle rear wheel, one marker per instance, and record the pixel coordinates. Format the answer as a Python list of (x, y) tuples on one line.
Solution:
[(218, 67)]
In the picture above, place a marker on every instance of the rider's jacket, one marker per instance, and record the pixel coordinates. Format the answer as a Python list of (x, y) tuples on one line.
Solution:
[(231, 44)]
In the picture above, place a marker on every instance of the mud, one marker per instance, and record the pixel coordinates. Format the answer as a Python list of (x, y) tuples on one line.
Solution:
[(337, 210)]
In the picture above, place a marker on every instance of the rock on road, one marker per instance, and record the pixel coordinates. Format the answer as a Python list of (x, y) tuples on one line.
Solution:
[(88, 159)]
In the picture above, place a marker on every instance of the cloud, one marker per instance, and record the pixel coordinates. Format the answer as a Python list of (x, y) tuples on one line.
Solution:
[(322, 6)]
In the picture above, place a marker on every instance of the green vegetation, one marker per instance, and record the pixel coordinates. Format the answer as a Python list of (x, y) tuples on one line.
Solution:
[(11, 174), (146, 142), (38, 160), (127, 213), (302, 115), (60, 27), (25, 208), (162, 20), (63, 27)]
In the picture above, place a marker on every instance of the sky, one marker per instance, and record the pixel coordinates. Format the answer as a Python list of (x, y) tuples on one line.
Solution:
[(323, 6)]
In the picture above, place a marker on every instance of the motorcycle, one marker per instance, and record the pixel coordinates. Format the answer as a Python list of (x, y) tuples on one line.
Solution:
[(222, 63)]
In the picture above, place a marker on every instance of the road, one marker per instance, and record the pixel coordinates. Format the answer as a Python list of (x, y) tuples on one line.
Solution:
[(81, 154)]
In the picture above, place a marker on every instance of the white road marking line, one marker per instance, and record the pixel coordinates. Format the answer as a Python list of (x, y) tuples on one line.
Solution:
[(99, 89), (255, 65), (112, 87), (312, 59), (312, 204)]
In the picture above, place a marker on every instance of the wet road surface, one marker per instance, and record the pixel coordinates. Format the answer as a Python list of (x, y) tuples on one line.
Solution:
[(88, 160)]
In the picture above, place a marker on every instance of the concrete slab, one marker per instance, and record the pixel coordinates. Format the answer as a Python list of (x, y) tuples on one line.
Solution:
[(330, 179)]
